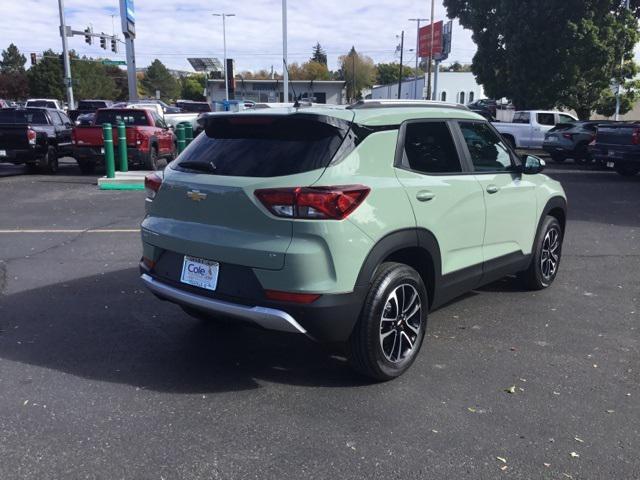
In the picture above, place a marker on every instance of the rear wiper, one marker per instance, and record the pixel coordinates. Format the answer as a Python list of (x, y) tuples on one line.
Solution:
[(203, 167)]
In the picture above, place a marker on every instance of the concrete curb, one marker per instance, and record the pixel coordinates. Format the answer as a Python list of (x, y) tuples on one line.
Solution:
[(124, 181)]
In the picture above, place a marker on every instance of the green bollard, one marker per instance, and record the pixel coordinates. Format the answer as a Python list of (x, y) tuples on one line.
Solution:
[(188, 133), (109, 161), (180, 135), (122, 147)]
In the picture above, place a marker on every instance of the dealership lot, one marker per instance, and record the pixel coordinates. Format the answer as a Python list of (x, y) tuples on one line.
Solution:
[(98, 379)]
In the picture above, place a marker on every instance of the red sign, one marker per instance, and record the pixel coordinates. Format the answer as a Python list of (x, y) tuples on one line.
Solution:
[(425, 40)]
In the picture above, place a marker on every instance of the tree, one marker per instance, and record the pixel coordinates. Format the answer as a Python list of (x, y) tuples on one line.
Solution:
[(630, 94), (157, 77), (91, 79), (319, 55), (543, 60), (13, 79), (193, 87), (358, 71), (388, 73), (46, 78), (12, 60), (455, 67)]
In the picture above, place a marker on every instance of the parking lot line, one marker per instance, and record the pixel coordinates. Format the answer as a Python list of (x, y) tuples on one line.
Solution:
[(78, 230)]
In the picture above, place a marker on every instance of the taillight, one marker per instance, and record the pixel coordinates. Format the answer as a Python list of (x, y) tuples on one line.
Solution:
[(635, 136), (152, 183), (291, 296), (139, 138), (31, 136), (313, 203)]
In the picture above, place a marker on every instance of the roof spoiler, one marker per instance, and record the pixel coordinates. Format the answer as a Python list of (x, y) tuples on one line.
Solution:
[(365, 104)]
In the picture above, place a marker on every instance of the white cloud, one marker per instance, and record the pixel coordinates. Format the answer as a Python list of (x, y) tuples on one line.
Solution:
[(173, 31)]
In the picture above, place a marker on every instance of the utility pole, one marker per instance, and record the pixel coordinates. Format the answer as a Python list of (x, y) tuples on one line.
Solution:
[(224, 43), (401, 56), (65, 55), (430, 52), (285, 73), (415, 83), (353, 64), (619, 87)]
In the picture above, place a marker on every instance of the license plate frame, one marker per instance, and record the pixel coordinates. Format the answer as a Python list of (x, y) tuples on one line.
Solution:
[(611, 164), (200, 272), (3, 153)]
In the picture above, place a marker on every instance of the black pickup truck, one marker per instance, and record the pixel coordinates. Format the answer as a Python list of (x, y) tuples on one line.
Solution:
[(617, 145), (36, 137)]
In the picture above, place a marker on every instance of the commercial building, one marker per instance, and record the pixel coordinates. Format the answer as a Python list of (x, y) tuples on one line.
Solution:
[(322, 91), (455, 87)]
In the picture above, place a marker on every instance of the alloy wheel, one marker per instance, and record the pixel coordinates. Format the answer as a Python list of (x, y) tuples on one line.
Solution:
[(550, 257), (400, 323)]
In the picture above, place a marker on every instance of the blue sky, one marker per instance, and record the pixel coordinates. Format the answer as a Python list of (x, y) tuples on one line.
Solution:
[(174, 30)]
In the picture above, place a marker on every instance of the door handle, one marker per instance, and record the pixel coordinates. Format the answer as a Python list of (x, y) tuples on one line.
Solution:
[(425, 196), (492, 189)]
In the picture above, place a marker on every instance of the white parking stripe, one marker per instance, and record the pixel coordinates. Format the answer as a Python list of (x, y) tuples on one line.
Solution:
[(89, 230)]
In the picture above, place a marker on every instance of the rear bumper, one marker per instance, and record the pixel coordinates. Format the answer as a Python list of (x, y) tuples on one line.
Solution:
[(29, 155), (616, 155), (95, 155)]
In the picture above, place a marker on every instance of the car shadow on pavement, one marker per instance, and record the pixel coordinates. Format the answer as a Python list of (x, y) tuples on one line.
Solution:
[(109, 328)]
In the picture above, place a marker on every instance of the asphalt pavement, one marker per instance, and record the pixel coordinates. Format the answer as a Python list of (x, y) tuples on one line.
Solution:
[(100, 380)]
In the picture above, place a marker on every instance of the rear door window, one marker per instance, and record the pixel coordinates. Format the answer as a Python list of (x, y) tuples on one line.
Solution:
[(263, 146), (546, 119), (429, 148)]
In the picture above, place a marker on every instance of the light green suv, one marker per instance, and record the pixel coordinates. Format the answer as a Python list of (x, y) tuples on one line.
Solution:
[(347, 225)]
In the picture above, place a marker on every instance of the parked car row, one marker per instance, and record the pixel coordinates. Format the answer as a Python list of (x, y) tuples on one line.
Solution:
[(38, 136)]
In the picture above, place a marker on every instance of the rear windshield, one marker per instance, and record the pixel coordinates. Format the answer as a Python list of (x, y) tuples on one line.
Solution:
[(41, 103), (34, 117), (194, 107), (262, 146), (129, 117), (89, 105)]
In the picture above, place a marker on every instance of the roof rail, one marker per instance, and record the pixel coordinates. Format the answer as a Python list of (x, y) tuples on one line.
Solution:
[(365, 104)]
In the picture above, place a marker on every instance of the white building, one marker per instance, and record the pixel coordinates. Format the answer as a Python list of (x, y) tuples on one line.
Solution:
[(455, 87), (323, 91)]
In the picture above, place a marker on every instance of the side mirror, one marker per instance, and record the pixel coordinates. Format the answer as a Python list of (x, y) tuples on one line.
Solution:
[(533, 165)]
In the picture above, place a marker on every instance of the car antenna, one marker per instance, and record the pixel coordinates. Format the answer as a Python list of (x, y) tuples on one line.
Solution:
[(296, 103)]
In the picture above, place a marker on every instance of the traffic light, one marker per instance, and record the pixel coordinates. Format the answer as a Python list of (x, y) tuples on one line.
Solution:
[(103, 41), (87, 38), (33, 59), (114, 44)]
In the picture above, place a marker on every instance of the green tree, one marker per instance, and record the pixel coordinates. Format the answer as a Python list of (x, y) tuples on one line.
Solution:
[(319, 55), (91, 79), (455, 67), (545, 53), (46, 78), (157, 77), (358, 71), (387, 73), (13, 79), (192, 87)]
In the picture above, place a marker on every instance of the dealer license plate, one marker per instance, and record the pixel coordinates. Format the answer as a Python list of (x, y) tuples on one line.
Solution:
[(200, 272), (610, 164), (102, 151), (3, 153)]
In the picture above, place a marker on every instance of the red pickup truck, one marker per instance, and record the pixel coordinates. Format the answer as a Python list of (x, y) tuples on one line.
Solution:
[(149, 139)]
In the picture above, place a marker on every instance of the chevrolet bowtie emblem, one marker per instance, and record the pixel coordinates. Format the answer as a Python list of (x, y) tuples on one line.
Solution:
[(196, 195)]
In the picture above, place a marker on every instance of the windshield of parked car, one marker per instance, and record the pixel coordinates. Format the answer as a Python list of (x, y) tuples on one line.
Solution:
[(34, 117), (262, 146), (128, 116)]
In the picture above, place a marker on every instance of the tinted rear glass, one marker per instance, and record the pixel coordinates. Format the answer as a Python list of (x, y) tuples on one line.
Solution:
[(35, 117), (88, 105), (129, 117), (41, 103), (262, 146), (194, 107)]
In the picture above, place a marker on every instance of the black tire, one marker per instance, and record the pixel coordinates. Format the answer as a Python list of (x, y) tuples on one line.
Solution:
[(626, 170), (368, 347), (151, 162), (541, 275), (50, 161), (583, 157), (557, 158), (87, 167)]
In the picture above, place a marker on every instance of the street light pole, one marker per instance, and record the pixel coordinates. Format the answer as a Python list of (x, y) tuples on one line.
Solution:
[(285, 72), (224, 43), (430, 52), (65, 56), (415, 84)]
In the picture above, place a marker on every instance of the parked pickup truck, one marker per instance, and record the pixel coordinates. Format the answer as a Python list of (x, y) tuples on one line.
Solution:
[(618, 146), (528, 128), (36, 137), (149, 139), (88, 106)]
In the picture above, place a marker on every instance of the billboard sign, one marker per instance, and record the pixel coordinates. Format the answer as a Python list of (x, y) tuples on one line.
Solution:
[(131, 11), (426, 49), (128, 18)]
